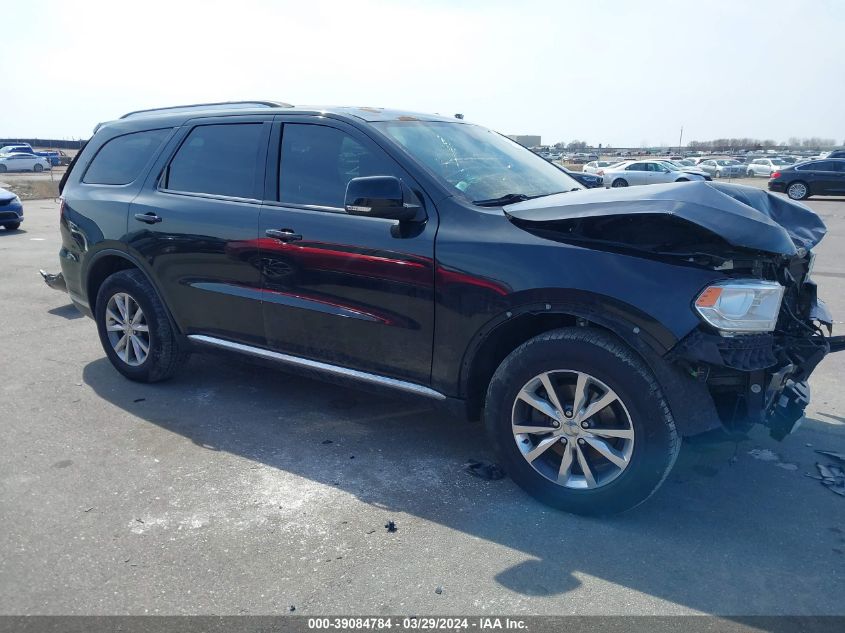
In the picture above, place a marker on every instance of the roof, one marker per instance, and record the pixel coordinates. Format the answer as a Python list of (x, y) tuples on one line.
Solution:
[(177, 115)]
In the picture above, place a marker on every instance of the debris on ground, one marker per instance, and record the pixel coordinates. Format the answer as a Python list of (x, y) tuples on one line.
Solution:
[(89, 509), (484, 470), (438, 590), (787, 465), (839, 456), (831, 475), (291, 608), (139, 399), (391, 526), (326, 442)]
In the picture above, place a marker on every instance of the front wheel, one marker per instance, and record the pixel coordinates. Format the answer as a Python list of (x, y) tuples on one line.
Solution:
[(135, 330), (619, 182), (12, 226), (718, 174), (749, 174), (798, 191), (579, 422), (37, 168)]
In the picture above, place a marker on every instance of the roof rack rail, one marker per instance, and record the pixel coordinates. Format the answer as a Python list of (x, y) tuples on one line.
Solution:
[(220, 105)]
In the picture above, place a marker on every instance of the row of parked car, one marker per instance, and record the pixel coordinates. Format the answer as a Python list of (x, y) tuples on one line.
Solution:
[(22, 157), (799, 180)]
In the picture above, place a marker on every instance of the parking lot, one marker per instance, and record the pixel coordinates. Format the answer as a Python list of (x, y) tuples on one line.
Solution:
[(238, 489)]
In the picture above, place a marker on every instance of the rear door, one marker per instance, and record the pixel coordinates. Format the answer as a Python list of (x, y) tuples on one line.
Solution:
[(347, 290), (195, 225), (636, 174), (838, 177)]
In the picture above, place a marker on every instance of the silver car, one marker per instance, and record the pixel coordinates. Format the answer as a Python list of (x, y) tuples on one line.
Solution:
[(23, 162), (765, 166), (593, 167), (644, 172), (723, 167)]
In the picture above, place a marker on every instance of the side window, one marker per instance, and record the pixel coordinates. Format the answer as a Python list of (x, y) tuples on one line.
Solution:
[(838, 165), (636, 167), (121, 159), (317, 162), (218, 159)]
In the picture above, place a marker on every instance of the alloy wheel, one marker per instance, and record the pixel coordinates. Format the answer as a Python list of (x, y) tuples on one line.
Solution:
[(797, 191), (573, 429), (127, 328)]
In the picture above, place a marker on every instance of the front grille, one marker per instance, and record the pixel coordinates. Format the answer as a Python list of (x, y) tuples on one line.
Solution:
[(9, 215)]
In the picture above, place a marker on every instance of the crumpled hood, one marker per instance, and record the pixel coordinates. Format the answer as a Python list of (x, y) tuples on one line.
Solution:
[(743, 216)]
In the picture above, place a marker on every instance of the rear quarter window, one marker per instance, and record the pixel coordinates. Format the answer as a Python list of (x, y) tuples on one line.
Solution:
[(121, 159)]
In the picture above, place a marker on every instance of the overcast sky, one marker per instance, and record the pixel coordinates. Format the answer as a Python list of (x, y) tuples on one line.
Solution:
[(615, 72)]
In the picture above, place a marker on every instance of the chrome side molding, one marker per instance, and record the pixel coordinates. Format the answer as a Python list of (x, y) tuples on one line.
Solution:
[(327, 368)]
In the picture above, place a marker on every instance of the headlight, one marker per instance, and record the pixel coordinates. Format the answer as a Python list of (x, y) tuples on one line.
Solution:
[(741, 306)]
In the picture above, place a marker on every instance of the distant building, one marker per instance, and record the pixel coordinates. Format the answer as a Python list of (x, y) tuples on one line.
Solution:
[(526, 140)]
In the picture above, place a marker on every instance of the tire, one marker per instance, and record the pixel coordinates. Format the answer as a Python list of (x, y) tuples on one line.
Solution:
[(682, 180), (749, 174), (640, 406), (3, 169), (798, 190), (718, 174), (164, 353), (619, 182), (12, 226), (37, 168)]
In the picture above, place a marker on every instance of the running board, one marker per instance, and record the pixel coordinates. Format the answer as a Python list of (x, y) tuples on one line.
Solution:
[(327, 368)]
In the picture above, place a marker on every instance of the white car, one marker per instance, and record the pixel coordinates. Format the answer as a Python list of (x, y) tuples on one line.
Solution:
[(644, 172), (23, 162), (593, 167), (765, 166)]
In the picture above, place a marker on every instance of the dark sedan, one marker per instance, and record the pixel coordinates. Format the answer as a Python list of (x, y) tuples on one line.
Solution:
[(813, 178), (590, 181)]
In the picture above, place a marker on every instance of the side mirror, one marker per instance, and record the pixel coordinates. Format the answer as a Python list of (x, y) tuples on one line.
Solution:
[(379, 197)]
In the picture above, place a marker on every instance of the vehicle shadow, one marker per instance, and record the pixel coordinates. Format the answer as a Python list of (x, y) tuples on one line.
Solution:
[(6, 232), (722, 536), (68, 311)]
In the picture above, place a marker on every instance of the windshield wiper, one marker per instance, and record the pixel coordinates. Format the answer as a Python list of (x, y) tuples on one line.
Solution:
[(511, 198), (508, 198)]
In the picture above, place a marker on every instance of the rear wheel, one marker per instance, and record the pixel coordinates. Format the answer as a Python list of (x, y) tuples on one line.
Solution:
[(619, 182), (37, 167), (134, 329), (579, 422), (12, 226), (718, 174), (798, 190)]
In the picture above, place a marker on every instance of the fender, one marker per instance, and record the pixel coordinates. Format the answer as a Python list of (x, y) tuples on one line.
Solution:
[(689, 400), (136, 263)]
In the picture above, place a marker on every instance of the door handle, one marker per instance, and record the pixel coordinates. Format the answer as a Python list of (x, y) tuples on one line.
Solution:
[(149, 218), (283, 235)]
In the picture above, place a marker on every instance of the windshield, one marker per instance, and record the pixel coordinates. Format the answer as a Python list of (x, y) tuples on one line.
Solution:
[(778, 161), (669, 166), (477, 162)]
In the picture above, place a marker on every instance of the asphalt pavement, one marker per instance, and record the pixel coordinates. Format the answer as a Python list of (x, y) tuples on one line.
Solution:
[(236, 488)]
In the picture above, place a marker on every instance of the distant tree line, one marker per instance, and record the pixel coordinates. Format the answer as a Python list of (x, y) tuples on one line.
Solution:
[(728, 144)]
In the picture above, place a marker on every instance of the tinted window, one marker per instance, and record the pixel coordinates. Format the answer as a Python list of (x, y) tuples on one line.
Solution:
[(121, 159), (219, 160), (838, 165), (636, 167), (318, 162), (818, 165)]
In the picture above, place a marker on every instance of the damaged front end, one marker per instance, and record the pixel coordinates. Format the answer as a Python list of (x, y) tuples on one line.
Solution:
[(762, 377), (763, 328)]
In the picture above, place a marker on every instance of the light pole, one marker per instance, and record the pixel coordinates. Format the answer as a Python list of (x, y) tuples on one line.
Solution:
[(681, 142)]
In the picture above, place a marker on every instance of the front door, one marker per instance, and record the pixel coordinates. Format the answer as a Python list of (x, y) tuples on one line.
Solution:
[(346, 290), (195, 224)]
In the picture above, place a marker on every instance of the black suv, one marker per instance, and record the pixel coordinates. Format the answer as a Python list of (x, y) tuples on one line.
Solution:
[(591, 329)]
